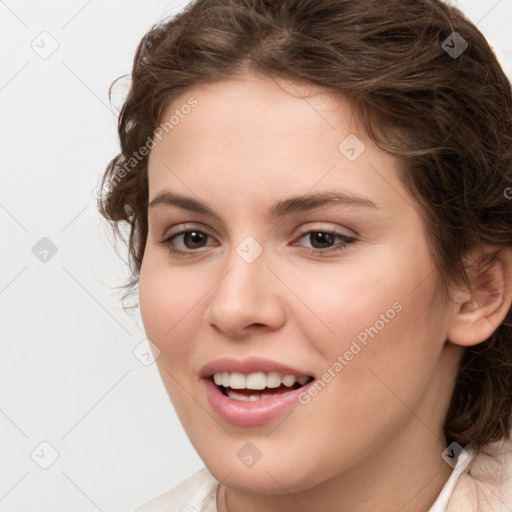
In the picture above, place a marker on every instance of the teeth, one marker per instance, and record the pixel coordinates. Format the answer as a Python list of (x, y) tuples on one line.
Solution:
[(235, 395), (273, 380), (257, 381), (245, 398), (288, 380), (238, 381)]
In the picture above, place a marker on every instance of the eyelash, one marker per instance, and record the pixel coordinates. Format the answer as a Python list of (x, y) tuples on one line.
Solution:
[(347, 240)]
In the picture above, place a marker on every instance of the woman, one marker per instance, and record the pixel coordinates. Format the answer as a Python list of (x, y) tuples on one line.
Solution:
[(318, 197)]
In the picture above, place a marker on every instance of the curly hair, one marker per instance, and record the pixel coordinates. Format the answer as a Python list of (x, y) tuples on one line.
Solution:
[(426, 86)]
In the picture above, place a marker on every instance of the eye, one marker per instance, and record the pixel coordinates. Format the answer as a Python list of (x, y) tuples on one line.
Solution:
[(322, 241), (190, 238)]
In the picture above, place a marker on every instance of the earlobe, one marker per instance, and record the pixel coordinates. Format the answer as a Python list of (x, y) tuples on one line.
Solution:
[(479, 312)]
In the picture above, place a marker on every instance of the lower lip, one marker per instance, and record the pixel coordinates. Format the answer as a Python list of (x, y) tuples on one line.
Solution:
[(250, 414)]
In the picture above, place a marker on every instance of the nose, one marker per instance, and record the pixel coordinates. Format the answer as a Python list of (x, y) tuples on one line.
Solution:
[(248, 296)]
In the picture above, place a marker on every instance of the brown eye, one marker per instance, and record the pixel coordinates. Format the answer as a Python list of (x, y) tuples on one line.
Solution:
[(324, 242), (186, 241), (321, 239), (193, 239)]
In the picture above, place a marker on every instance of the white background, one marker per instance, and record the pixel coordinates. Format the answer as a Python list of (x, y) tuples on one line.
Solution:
[(68, 375)]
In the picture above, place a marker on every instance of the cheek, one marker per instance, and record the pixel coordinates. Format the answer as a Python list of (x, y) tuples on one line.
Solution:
[(370, 298), (167, 297), (380, 320)]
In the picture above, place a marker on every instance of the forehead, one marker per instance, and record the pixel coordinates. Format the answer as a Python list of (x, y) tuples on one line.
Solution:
[(253, 137), (250, 110)]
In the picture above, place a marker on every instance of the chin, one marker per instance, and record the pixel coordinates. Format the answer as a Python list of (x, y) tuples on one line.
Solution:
[(271, 478), (282, 465)]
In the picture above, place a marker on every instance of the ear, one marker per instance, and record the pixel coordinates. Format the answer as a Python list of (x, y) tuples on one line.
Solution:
[(479, 312)]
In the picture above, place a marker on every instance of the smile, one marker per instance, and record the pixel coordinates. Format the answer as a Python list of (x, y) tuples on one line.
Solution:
[(252, 391), (258, 385)]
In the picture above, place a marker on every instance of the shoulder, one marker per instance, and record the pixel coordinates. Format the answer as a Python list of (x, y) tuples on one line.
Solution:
[(195, 494), (486, 483)]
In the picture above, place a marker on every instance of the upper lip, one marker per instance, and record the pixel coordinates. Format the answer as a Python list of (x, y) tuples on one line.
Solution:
[(249, 365)]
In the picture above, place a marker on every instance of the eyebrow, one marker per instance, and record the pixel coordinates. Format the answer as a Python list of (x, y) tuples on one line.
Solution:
[(278, 209)]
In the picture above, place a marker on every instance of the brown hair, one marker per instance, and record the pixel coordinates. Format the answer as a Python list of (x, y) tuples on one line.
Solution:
[(448, 117)]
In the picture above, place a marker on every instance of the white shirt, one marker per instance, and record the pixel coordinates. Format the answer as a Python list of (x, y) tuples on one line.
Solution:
[(476, 484)]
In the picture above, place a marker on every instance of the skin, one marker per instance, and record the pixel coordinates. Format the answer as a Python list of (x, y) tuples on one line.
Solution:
[(372, 438)]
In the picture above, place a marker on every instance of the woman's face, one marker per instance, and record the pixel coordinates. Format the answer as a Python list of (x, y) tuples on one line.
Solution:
[(304, 263)]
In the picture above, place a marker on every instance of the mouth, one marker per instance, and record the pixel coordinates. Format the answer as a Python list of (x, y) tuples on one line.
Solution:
[(258, 385), (254, 391)]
